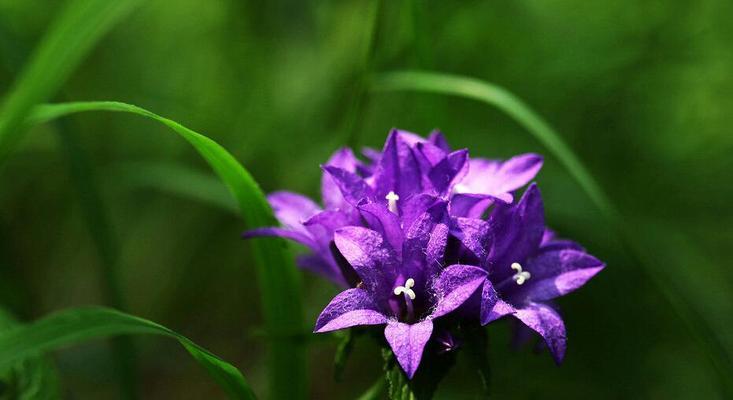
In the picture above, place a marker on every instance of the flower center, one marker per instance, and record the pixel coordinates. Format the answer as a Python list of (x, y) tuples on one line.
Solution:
[(392, 198), (407, 289), (521, 276), (408, 295)]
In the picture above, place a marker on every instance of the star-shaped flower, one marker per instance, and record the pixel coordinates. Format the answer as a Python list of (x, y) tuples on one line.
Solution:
[(526, 266), (403, 284)]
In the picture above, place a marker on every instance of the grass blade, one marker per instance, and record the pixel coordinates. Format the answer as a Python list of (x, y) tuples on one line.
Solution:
[(31, 378), (80, 324), (278, 278), (475, 89), (74, 32)]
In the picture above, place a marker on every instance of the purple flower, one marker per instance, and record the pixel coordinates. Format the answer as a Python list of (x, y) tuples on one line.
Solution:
[(526, 266), (408, 166), (403, 283)]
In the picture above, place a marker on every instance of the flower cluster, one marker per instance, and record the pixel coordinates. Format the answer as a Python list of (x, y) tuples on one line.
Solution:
[(419, 233)]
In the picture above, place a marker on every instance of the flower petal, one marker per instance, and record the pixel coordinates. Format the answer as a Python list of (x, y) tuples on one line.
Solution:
[(454, 286), (517, 230), (492, 307), (380, 219), (345, 159), (398, 169), (425, 244), (408, 342), (474, 236), (291, 209), (352, 186), (472, 205), (349, 308), (499, 178), (449, 170), (370, 256), (438, 139), (544, 320), (556, 273)]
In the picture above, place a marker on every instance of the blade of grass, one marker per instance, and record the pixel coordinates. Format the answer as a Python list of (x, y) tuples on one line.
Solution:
[(31, 378), (375, 391), (475, 89), (276, 273), (74, 32), (77, 325)]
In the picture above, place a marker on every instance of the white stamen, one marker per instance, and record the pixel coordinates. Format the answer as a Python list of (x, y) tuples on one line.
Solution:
[(409, 283), (521, 276), (392, 198)]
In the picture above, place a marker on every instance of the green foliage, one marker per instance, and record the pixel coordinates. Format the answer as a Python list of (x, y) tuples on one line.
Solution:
[(30, 378), (275, 270), (81, 324), (74, 33)]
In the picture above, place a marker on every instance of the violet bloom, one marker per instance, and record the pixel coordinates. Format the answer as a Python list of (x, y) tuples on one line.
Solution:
[(403, 284), (527, 267)]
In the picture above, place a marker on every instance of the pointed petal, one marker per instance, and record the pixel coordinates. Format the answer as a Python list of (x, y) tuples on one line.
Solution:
[(499, 178), (353, 188), (349, 308), (438, 139), (408, 342), (493, 308), (472, 205), (291, 209), (517, 231), (449, 171), (398, 169), (343, 158), (414, 207), (544, 320), (380, 219), (518, 171), (556, 273), (454, 286), (370, 256)]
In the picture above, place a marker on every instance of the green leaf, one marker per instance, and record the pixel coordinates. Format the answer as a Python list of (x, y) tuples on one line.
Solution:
[(686, 308), (31, 378), (77, 325), (278, 278), (73, 34)]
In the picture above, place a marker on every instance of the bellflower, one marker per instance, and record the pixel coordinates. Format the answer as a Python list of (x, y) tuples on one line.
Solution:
[(526, 266), (403, 283), (408, 166)]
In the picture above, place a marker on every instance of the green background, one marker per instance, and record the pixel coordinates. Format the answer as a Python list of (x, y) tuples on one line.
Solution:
[(642, 91)]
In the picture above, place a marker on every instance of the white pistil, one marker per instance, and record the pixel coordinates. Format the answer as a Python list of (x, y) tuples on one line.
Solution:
[(407, 289), (392, 198), (521, 276)]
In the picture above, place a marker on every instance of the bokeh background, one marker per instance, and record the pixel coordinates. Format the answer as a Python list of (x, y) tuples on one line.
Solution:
[(642, 91)]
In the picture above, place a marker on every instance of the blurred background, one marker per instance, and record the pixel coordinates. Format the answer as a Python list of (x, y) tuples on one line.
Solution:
[(642, 91)]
